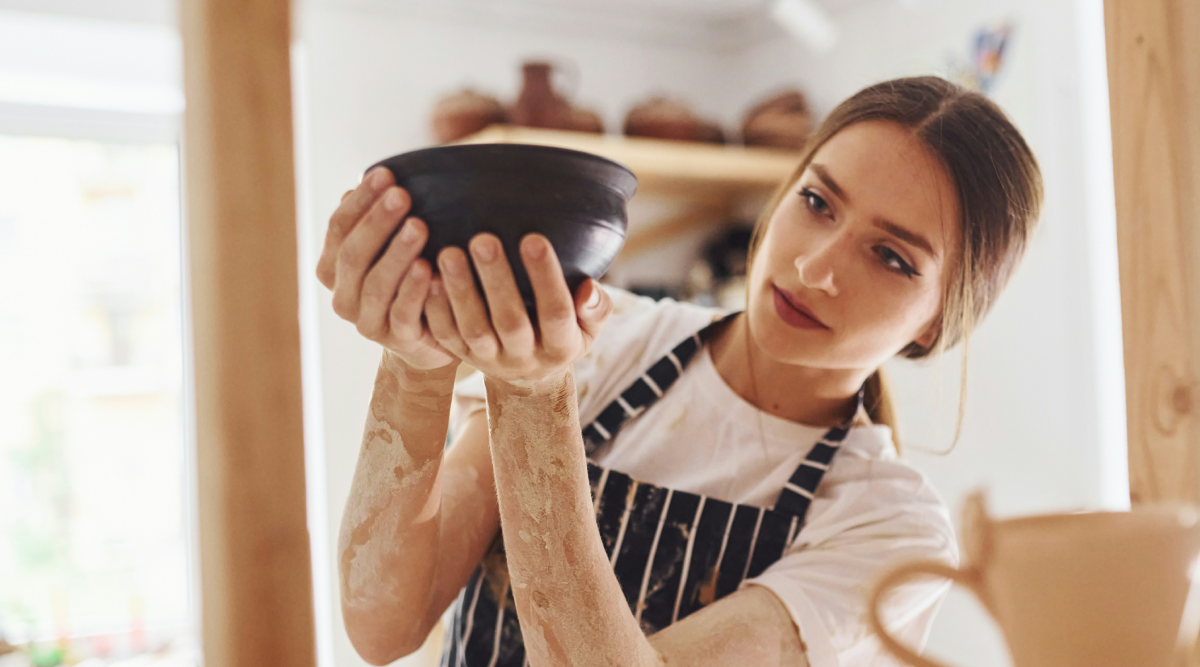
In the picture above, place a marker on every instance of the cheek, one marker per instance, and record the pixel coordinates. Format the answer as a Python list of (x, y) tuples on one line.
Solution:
[(891, 315), (783, 241)]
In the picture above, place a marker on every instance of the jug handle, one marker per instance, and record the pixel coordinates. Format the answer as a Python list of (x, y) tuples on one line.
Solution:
[(1187, 644), (898, 576)]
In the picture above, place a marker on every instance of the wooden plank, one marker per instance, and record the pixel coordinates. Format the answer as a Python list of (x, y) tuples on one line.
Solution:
[(256, 579), (1154, 86), (663, 167)]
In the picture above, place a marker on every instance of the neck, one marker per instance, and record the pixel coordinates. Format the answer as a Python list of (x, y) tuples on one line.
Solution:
[(812, 396)]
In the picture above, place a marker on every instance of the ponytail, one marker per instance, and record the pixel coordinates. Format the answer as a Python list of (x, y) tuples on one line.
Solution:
[(877, 399)]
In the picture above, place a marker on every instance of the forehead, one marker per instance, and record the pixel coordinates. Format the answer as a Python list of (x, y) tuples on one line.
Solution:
[(887, 173)]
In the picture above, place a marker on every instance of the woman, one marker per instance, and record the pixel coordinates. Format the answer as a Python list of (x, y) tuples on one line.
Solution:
[(739, 466)]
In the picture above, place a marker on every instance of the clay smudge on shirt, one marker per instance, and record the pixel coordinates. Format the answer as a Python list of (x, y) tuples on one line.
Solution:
[(495, 573), (677, 423), (707, 591)]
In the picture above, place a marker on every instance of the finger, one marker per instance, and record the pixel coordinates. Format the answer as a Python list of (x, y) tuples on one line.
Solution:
[(382, 281), (354, 205), (440, 318), (557, 323), (362, 247), (404, 315), (592, 306), (466, 304), (509, 318), (346, 194)]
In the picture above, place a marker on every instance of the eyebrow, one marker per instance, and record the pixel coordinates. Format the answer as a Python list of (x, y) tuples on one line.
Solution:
[(912, 238), (823, 174), (905, 235)]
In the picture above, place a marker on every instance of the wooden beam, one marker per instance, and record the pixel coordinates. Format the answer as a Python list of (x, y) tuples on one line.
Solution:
[(1154, 86), (256, 578)]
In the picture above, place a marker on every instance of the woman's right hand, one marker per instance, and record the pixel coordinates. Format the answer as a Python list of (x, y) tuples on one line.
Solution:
[(378, 279)]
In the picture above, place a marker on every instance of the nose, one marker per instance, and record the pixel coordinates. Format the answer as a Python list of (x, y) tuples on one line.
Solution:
[(815, 266)]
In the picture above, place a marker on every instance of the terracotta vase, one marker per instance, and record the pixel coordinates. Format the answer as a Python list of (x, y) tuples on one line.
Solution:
[(539, 105)]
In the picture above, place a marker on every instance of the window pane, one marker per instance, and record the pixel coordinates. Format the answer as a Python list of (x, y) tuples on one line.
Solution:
[(93, 518)]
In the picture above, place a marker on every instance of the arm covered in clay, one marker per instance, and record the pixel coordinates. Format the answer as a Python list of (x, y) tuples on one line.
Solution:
[(414, 525), (571, 607)]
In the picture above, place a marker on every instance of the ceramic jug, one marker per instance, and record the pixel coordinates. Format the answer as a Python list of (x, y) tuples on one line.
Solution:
[(1097, 589), (538, 104)]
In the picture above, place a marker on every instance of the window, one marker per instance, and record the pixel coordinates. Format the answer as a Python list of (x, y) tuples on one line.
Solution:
[(94, 548)]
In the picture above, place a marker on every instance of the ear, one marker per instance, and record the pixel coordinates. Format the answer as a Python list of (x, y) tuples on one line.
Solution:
[(930, 334)]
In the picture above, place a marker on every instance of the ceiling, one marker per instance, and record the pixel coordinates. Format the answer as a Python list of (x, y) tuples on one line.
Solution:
[(705, 24), (702, 24)]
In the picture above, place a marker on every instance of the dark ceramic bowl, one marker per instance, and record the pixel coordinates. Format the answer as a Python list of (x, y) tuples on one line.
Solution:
[(577, 200)]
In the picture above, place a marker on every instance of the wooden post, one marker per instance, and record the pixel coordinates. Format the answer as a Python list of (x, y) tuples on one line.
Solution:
[(1154, 87), (256, 578)]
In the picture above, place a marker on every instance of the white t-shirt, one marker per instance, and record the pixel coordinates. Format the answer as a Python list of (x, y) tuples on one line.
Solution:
[(871, 509)]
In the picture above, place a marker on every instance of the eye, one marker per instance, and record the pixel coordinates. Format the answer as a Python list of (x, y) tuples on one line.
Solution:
[(815, 203), (893, 260)]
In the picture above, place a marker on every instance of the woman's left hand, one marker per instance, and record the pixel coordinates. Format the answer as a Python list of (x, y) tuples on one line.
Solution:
[(507, 347)]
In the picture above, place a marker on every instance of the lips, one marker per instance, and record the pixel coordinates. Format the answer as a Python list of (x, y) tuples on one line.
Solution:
[(794, 313)]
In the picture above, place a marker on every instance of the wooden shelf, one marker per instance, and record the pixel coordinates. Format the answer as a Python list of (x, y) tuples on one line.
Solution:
[(701, 172)]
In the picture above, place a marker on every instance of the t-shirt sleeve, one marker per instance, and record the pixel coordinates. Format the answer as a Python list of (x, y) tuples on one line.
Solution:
[(851, 539)]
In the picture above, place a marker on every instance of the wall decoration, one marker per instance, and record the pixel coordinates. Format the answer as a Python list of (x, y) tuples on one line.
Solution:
[(981, 69)]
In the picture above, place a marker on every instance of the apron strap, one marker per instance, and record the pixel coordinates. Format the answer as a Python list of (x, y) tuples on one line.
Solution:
[(801, 487), (647, 389)]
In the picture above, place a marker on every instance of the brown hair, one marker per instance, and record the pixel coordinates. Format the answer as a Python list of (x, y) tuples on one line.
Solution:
[(999, 189)]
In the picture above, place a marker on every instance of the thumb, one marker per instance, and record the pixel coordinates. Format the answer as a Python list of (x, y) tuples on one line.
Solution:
[(593, 306)]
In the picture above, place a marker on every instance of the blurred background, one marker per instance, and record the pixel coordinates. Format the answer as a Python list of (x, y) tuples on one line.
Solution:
[(97, 543)]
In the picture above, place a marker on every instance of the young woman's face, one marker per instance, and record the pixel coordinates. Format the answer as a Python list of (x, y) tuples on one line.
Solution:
[(851, 268)]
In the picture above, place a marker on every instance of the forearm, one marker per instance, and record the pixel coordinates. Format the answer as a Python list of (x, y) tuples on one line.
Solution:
[(389, 535), (571, 608)]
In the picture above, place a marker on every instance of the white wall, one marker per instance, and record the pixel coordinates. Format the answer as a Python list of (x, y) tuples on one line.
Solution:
[(1042, 431)]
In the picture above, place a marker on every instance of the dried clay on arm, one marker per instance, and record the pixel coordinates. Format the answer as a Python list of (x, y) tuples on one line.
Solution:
[(394, 493), (572, 611), (749, 627)]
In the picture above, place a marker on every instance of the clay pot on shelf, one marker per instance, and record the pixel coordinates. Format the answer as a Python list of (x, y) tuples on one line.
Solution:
[(464, 113), (664, 118), (783, 121), (583, 120), (539, 105)]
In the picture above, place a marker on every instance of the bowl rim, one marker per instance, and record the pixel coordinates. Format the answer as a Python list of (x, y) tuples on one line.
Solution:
[(626, 186)]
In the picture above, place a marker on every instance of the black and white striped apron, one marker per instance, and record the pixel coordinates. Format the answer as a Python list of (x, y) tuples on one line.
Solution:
[(673, 552)]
